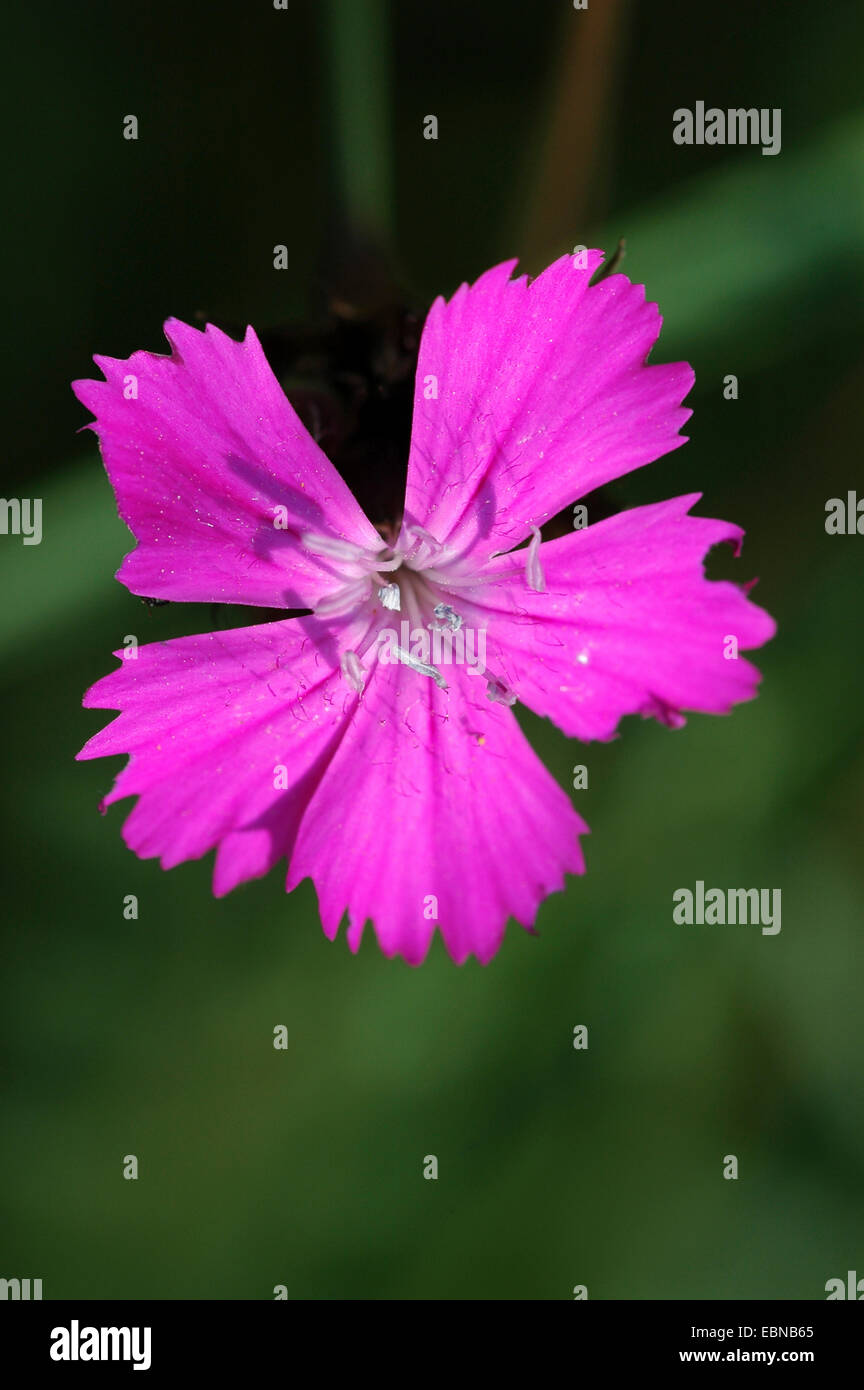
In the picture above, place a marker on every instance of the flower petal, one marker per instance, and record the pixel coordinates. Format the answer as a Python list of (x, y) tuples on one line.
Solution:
[(627, 624), (201, 448), (531, 394), (207, 721), (434, 808), (399, 793)]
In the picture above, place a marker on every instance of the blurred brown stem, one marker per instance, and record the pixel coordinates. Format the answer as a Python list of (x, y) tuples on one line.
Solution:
[(565, 193)]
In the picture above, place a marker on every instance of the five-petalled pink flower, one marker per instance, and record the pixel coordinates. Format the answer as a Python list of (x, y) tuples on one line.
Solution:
[(404, 789)]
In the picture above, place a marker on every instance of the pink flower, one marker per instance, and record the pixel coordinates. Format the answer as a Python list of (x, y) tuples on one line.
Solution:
[(403, 787)]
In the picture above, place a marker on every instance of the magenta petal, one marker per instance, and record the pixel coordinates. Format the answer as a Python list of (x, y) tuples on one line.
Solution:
[(402, 793), (434, 810), (201, 448), (542, 395), (208, 721), (627, 624)]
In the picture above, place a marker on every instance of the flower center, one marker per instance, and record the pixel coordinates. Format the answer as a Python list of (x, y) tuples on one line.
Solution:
[(428, 632)]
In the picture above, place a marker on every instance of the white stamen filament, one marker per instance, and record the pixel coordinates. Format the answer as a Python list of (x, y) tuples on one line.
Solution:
[(421, 534), (336, 549), (343, 601), (533, 568), (331, 545), (352, 670), (382, 562)]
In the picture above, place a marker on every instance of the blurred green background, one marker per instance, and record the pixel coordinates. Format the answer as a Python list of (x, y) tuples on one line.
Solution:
[(556, 1167)]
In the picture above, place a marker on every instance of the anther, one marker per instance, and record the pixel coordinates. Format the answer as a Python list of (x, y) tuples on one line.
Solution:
[(390, 596), (498, 692), (449, 616), (421, 667)]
